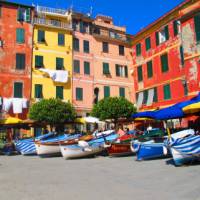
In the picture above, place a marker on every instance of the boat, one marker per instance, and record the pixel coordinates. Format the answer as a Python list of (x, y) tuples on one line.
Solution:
[(50, 147), (85, 149), (27, 146), (184, 147)]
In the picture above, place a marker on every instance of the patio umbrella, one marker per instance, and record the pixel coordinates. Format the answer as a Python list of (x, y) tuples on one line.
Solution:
[(11, 120), (192, 108)]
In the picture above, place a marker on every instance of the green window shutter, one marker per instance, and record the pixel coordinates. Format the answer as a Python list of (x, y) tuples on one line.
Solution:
[(117, 70), (59, 63), (77, 66), (81, 27), (148, 43), (140, 74), (138, 49), (87, 68), (20, 14), (126, 71), (41, 36), (86, 46), (18, 87), (145, 97), (76, 44), (39, 61), (61, 39), (79, 94), (167, 92), (149, 69), (106, 91), (155, 97), (106, 68), (166, 32), (38, 91), (59, 92), (122, 92), (175, 26), (28, 15), (164, 63), (20, 35), (157, 39), (182, 55), (20, 61), (197, 27)]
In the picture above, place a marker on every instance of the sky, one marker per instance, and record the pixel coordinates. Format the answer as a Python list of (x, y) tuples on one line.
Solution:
[(134, 14)]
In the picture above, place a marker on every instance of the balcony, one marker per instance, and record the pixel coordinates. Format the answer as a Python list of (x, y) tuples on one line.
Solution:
[(54, 11), (52, 23)]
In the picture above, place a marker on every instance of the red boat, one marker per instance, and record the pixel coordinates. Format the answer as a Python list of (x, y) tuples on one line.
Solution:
[(119, 149)]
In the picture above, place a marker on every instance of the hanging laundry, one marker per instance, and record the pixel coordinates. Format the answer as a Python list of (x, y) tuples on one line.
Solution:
[(1, 101), (17, 104), (7, 103), (24, 103)]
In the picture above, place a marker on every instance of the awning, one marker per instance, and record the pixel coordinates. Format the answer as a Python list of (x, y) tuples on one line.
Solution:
[(192, 108), (11, 120), (150, 97), (145, 114), (140, 99), (84, 120)]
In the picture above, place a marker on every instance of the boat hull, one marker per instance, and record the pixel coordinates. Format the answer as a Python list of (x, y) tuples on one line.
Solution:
[(47, 149), (119, 150)]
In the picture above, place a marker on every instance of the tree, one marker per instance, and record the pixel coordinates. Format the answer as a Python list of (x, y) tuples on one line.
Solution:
[(113, 108), (52, 111)]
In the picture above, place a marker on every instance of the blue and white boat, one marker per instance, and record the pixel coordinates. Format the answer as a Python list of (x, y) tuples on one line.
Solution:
[(148, 150), (50, 147), (185, 150), (27, 146), (85, 149)]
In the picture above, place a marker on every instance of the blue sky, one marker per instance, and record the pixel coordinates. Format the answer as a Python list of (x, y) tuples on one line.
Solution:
[(134, 14)]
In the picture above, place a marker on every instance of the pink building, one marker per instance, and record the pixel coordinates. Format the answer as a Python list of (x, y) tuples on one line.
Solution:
[(102, 61)]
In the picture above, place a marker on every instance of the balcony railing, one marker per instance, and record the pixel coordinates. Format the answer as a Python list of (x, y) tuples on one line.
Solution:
[(54, 11), (52, 23)]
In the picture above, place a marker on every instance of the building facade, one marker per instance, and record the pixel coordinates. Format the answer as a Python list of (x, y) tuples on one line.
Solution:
[(16, 32), (52, 54), (166, 58), (102, 61)]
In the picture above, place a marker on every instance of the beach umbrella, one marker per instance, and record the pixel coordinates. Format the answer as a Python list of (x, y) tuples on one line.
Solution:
[(192, 108)]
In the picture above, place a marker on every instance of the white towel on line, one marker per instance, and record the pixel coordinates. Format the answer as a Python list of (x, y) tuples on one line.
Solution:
[(17, 104), (7, 103)]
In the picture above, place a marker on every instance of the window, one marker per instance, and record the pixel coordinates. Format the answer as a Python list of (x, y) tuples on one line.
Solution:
[(167, 92), (122, 92), (155, 97), (197, 27), (76, 44), (61, 39), (176, 27), (20, 35), (105, 47), (182, 55), (121, 50), (38, 91), (24, 14), (18, 87), (79, 94), (106, 68), (41, 36), (39, 61), (121, 70), (20, 61), (59, 92), (86, 46), (76, 66), (59, 63), (162, 35), (0, 11), (164, 63), (106, 91), (149, 69), (139, 73), (138, 49), (145, 97), (87, 68), (148, 43)]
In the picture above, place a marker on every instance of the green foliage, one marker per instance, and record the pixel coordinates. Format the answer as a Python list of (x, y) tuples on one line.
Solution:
[(52, 111), (113, 108)]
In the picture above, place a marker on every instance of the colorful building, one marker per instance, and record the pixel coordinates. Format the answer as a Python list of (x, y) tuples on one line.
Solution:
[(16, 32), (166, 58), (52, 54), (102, 61)]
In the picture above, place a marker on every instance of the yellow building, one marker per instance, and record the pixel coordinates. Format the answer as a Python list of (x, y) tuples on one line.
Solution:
[(52, 54)]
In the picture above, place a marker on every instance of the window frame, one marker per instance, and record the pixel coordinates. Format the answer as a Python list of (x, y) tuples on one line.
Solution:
[(79, 98), (14, 90), (20, 62)]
